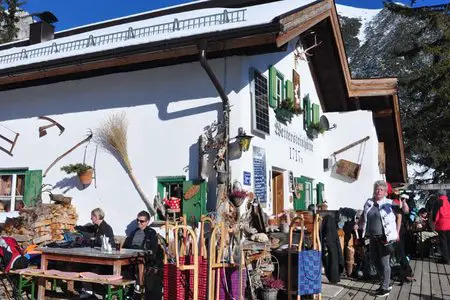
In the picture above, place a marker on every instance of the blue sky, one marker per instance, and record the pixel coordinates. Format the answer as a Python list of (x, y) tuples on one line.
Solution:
[(81, 12)]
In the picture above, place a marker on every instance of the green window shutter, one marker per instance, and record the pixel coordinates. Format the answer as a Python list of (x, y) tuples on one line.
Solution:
[(315, 113), (307, 111), (194, 207), (320, 188), (299, 202), (289, 92), (33, 185), (273, 87)]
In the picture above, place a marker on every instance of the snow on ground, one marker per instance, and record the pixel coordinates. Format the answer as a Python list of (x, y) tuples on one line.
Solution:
[(364, 15)]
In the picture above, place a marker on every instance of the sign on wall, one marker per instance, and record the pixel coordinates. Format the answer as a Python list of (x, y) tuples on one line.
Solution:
[(247, 178), (260, 173), (291, 182)]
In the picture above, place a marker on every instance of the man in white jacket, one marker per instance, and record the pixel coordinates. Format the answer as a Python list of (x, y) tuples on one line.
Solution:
[(380, 223)]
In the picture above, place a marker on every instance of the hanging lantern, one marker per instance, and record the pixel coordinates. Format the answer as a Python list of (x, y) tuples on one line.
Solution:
[(243, 139)]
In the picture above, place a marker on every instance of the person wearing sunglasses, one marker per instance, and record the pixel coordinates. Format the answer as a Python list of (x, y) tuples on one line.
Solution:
[(145, 238)]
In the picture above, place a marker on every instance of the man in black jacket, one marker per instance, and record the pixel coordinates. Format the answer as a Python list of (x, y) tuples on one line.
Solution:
[(145, 238)]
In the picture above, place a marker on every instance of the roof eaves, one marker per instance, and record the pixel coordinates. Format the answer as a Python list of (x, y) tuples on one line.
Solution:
[(270, 28), (145, 16)]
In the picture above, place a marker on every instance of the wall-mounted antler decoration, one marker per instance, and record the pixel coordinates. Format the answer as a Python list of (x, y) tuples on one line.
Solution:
[(11, 141), (304, 54), (43, 129)]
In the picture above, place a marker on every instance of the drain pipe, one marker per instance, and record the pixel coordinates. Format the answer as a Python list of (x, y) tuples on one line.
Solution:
[(225, 103)]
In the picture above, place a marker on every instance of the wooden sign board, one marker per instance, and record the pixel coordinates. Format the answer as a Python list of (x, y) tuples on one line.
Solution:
[(296, 84), (348, 168)]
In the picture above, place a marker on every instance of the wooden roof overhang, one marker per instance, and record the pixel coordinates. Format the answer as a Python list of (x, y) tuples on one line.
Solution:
[(244, 41), (337, 90)]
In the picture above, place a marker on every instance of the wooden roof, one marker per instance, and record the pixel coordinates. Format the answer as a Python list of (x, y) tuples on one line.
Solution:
[(337, 90)]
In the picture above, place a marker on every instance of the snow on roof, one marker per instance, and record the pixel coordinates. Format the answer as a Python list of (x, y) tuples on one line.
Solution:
[(194, 22), (364, 15)]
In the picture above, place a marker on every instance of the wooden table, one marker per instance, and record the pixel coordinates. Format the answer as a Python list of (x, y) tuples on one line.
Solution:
[(91, 256)]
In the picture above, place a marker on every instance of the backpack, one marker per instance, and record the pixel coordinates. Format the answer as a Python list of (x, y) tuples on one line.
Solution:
[(9, 252)]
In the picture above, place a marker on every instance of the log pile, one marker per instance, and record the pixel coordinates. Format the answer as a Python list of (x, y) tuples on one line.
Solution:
[(41, 224)]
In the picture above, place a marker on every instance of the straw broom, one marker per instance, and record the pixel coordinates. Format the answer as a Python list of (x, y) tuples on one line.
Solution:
[(112, 137)]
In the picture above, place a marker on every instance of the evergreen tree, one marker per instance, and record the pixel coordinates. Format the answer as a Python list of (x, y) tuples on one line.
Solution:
[(425, 89), (350, 28), (9, 19)]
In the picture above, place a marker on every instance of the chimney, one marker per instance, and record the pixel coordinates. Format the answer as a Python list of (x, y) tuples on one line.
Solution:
[(42, 30)]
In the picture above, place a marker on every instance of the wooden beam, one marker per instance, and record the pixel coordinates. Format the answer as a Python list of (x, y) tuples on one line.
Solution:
[(295, 24), (188, 50), (383, 113), (295, 32), (400, 136), (370, 93), (381, 158)]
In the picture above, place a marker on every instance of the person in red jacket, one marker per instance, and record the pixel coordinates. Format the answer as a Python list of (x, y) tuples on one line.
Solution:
[(11, 255), (442, 226)]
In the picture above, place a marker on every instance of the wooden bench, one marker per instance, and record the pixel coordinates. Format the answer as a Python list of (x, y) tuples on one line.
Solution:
[(26, 276)]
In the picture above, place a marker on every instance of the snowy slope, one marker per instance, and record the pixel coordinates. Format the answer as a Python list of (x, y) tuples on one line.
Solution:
[(364, 15)]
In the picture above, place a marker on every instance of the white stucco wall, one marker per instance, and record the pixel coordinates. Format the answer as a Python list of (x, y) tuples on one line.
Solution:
[(351, 127), (167, 109)]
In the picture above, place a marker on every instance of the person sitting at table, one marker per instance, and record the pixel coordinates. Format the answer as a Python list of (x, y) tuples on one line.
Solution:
[(145, 238), (98, 227)]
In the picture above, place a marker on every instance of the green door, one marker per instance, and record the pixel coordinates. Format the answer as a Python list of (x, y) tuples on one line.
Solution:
[(33, 184), (194, 199), (300, 193)]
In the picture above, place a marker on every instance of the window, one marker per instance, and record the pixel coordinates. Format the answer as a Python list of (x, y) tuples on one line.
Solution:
[(177, 186), (171, 186), (307, 112), (19, 188), (276, 87), (260, 103), (279, 90)]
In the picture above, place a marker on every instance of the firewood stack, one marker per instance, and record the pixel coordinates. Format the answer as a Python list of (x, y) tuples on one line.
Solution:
[(41, 224)]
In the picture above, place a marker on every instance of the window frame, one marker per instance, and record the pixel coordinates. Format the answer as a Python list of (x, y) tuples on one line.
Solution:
[(168, 180), (13, 197), (280, 85), (253, 73)]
